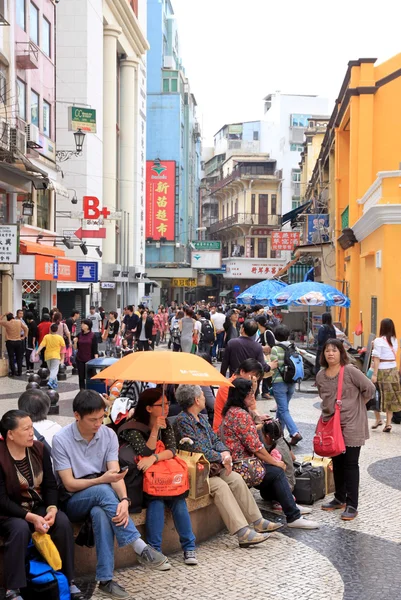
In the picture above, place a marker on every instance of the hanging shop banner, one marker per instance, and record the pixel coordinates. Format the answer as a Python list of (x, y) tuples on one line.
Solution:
[(48, 268), (183, 282), (284, 240), (318, 229), (160, 200), (81, 118), (9, 244)]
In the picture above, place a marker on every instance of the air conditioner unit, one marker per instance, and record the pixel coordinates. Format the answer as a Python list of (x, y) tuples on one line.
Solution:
[(4, 134), (168, 62), (32, 136), (17, 140)]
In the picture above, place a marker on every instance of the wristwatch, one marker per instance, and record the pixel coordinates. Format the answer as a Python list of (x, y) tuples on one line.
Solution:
[(127, 499), (156, 457)]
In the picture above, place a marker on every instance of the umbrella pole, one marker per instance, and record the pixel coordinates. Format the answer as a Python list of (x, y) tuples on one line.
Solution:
[(164, 392)]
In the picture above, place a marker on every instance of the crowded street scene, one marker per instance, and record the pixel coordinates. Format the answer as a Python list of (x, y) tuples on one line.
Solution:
[(200, 351)]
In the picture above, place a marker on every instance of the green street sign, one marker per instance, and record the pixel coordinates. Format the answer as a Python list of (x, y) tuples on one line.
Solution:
[(82, 118), (207, 245)]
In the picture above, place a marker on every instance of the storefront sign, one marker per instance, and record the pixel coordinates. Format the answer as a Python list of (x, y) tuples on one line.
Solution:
[(184, 282), (51, 269), (206, 259), (318, 229), (284, 240), (87, 271), (253, 268), (81, 118), (207, 245), (160, 200), (261, 231), (108, 285), (9, 244)]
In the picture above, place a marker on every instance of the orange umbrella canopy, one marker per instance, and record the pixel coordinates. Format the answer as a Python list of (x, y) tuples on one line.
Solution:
[(164, 367)]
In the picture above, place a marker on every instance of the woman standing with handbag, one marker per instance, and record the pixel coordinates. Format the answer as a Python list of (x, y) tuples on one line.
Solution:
[(151, 411), (355, 391), (385, 373), (240, 435)]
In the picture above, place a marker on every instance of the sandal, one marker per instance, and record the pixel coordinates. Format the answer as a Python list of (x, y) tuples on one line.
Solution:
[(387, 429), (377, 425)]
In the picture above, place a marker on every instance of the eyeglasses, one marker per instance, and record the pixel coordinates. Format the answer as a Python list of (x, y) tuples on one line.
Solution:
[(165, 402)]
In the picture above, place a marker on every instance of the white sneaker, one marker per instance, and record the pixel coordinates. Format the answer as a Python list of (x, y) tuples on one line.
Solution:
[(304, 510), (303, 523)]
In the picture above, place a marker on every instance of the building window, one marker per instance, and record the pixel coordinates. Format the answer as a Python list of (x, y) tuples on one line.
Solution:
[(20, 13), (296, 202), (43, 209), (223, 213), (34, 24), (345, 218), (46, 118), (46, 32), (262, 247), (273, 253), (252, 248), (256, 136), (174, 85), (253, 204), (21, 92), (274, 204), (34, 108), (296, 147), (263, 209), (296, 176), (300, 120), (166, 85)]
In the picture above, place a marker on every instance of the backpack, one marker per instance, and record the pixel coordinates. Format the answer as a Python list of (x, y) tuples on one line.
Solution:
[(176, 334), (293, 369), (45, 583), (207, 332)]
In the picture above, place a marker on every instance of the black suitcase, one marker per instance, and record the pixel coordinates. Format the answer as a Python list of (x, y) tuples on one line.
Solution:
[(309, 483)]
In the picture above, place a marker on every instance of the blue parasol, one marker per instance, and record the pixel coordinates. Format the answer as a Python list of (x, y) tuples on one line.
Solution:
[(261, 292), (309, 293)]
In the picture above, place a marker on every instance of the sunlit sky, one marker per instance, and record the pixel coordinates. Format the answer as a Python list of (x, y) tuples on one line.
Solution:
[(235, 52)]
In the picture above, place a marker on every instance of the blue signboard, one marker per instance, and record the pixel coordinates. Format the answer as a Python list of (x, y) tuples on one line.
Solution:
[(318, 229), (236, 288), (55, 269), (87, 271)]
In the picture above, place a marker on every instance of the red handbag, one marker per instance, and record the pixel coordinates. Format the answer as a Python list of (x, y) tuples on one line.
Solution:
[(167, 477), (328, 439)]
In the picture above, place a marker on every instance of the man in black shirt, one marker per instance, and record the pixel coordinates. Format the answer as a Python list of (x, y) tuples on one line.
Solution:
[(71, 322), (243, 347), (129, 324)]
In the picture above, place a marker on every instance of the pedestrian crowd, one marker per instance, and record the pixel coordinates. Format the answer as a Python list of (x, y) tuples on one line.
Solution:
[(97, 470)]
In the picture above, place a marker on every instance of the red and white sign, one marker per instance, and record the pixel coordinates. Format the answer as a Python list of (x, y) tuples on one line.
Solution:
[(90, 233), (252, 268), (44, 268), (160, 200), (92, 210), (284, 240)]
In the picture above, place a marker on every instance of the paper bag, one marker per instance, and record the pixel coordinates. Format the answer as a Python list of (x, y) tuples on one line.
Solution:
[(327, 464), (198, 469)]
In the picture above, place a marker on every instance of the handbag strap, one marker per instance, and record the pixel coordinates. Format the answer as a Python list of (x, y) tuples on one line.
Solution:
[(340, 385), (390, 346)]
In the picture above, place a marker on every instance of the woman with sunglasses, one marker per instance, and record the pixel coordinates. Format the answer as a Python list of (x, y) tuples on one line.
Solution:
[(152, 411)]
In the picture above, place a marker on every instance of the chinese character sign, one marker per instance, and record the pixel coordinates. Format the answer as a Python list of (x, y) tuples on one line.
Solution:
[(284, 240), (160, 199), (9, 244)]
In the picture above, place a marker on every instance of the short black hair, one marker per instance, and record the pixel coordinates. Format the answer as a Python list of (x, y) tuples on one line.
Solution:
[(45, 317), (250, 365), (53, 327), (201, 313), (87, 322), (9, 316), (9, 421), (250, 327), (29, 316), (147, 398), (206, 356), (74, 312), (282, 333), (87, 402), (92, 308), (130, 307), (35, 403)]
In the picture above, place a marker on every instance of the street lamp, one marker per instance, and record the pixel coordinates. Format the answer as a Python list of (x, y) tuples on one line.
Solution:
[(27, 208), (63, 155)]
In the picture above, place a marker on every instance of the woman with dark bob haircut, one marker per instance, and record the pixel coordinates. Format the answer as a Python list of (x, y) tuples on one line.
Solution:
[(28, 503), (344, 359), (86, 345), (356, 391), (151, 416)]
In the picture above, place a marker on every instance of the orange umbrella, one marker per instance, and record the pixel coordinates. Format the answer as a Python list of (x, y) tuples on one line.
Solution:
[(164, 367)]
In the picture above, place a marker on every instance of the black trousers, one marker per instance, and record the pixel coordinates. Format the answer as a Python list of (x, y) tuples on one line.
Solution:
[(143, 345), (15, 351), (17, 533), (81, 373), (205, 347), (346, 476), (29, 364)]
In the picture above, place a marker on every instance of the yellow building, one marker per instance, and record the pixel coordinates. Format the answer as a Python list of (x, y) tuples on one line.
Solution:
[(360, 160)]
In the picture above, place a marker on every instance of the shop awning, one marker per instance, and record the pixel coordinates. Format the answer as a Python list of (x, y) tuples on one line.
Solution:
[(225, 293), (290, 216), (59, 189), (35, 248)]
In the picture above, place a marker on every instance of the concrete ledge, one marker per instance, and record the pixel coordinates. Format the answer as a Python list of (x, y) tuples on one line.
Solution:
[(206, 522)]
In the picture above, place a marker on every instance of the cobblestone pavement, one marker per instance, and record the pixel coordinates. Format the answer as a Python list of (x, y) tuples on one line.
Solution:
[(357, 560)]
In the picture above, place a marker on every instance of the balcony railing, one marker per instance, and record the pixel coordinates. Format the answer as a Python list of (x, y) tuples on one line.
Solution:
[(27, 55), (246, 219)]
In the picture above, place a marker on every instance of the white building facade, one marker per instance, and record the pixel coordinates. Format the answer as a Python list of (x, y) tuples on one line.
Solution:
[(101, 65)]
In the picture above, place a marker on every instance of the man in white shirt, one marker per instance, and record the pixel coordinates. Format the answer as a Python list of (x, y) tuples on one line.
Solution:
[(218, 320), (96, 322)]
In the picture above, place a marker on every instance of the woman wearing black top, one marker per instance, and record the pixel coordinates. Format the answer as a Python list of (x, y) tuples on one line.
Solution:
[(28, 502), (267, 339), (111, 333), (326, 332), (144, 331)]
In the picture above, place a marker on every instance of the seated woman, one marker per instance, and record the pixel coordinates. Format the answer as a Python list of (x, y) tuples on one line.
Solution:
[(231, 495), (152, 411), (241, 437), (28, 502), (36, 403)]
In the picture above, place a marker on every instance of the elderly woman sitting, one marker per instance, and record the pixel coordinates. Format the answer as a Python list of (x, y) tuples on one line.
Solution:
[(36, 403), (231, 495)]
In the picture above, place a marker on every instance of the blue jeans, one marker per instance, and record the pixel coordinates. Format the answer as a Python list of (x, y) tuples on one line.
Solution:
[(276, 487), (182, 522), (283, 393), (218, 343), (100, 502)]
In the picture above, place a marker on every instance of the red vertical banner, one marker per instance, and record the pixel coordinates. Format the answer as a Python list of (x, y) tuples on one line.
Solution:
[(160, 200)]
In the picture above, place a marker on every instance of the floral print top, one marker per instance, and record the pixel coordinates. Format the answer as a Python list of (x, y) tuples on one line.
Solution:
[(240, 434)]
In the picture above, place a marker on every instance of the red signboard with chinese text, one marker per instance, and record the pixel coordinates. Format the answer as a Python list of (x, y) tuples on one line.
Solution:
[(160, 200), (45, 270), (284, 240)]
